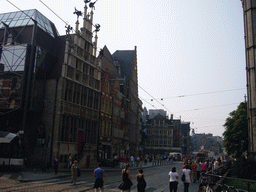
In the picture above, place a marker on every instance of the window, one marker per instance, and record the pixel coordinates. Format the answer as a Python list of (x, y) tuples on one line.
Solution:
[(91, 71), (84, 96), (78, 64), (76, 97), (85, 68), (68, 91), (90, 98), (96, 101)]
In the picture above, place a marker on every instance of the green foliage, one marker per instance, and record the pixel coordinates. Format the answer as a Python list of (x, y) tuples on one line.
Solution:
[(236, 133), (245, 168)]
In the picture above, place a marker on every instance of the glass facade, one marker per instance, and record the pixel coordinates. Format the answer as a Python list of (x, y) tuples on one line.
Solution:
[(25, 18), (13, 58)]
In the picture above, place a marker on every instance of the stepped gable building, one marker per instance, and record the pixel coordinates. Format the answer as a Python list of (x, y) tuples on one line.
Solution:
[(78, 91), (126, 63)]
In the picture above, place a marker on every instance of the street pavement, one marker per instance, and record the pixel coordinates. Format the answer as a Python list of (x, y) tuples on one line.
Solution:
[(157, 179)]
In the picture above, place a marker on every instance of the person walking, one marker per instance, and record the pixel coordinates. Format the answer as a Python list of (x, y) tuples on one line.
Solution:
[(69, 161), (122, 161), (56, 162), (74, 168), (194, 173), (173, 177), (203, 168), (187, 173), (126, 179), (132, 160), (198, 169), (141, 186), (137, 161), (99, 173)]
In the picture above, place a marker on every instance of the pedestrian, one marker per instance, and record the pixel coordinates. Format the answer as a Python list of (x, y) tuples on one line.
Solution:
[(126, 179), (141, 186), (141, 161), (74, 168), (115, 160), (198, 169), (187, 173), (122, 161), (137, 161), (56, 162), (194, 173), (132, 160), (203, 168), (173, 176), (69, 161), (99, 173)]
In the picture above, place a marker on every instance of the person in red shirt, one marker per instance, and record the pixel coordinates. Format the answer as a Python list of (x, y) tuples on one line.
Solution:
[(194, 173), (122, 161), (203, 168)]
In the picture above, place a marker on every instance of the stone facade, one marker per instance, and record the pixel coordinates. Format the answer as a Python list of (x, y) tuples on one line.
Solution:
[(250, 37), (162, 133)]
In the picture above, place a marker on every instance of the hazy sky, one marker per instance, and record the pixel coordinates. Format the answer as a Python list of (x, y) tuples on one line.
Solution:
[(191, 55)]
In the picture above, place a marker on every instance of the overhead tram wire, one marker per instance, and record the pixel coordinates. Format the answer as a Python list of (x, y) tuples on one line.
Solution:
[(113, 64), (53, 12), (181, 96), (208, 107)]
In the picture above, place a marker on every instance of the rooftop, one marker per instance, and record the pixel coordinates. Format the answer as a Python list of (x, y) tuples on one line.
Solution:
[(25, 18)]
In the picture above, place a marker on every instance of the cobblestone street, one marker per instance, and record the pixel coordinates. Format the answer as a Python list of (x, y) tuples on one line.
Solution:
[(156, 178)]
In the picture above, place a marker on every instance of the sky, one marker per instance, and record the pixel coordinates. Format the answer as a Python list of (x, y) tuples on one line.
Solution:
[(190, 53)]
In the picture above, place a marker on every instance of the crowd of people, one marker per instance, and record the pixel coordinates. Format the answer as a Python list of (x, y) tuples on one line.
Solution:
[(192, 169)]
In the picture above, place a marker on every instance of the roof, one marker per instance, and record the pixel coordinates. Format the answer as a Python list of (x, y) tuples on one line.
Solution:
[(25, 18), (125, 60)]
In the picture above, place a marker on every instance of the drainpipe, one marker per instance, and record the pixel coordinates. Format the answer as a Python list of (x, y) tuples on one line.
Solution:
[(54, 117)]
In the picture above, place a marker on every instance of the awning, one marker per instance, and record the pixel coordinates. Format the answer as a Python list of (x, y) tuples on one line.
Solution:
[(6, 137)]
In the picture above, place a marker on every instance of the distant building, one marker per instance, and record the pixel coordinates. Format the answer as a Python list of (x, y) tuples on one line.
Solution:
[(163, 135), (206, 142), (154, 112), (250, 48), (185, 138)]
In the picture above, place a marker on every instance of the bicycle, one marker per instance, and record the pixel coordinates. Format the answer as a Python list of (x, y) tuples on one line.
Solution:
[(227, 188), (206, 184)]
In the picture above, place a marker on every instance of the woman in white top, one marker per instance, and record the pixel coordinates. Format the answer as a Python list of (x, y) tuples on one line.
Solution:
[(187, 181), (173, 176)]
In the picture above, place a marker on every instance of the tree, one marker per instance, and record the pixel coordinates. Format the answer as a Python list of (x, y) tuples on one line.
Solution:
[(236, 134)]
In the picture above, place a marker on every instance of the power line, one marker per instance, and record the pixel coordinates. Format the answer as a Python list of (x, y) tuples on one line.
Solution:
[(53, 12), (208, 107), (181, 96)]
